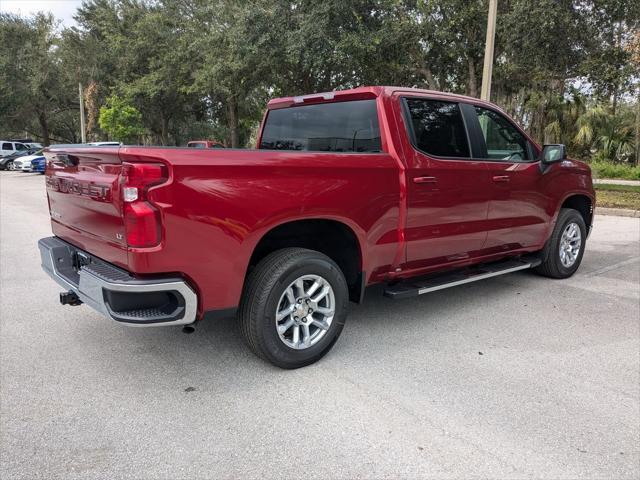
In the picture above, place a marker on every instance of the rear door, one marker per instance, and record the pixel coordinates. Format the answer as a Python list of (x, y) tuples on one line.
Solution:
[(448, 188), (519, 209)]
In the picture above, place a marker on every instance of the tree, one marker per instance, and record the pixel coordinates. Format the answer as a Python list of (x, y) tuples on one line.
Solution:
[(206, 68), (36, 94), (610, 135), (227, 43), (121, 120)]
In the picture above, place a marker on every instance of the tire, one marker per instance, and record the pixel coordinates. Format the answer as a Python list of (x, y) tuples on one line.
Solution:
[(552, 264), (8, 165), (268, 291)]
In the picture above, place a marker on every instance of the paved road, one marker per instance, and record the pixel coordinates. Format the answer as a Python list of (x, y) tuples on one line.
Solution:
[(514, 377)]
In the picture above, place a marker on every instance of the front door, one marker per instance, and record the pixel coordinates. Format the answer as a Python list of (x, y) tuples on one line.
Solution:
[(519, 211), (448, 189)]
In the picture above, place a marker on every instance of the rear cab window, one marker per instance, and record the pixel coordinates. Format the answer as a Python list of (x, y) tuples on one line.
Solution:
[(350, 126), (438, 128)]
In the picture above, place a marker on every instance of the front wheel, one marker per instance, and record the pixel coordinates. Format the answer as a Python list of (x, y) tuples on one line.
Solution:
[(563, 251), (293, 307)]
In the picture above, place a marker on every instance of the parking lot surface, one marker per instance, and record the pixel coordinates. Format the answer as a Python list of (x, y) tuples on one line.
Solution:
[(514, 377)]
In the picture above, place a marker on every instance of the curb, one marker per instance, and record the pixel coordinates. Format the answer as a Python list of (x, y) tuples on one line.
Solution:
[(618, 212), (613, 181)]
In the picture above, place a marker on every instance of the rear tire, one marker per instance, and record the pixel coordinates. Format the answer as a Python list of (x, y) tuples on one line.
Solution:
[(310, 286), (563, 252)]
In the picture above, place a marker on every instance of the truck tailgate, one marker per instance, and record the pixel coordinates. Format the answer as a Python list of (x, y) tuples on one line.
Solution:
[(85, 202)]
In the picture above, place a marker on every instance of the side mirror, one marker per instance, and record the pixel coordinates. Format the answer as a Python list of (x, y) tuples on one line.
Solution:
[(553, 153)]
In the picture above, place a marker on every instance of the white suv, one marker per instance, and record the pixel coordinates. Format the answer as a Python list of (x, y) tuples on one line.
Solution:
[(7, 148)]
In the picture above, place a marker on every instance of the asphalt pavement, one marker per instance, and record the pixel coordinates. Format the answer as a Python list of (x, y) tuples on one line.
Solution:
[(514, 377)]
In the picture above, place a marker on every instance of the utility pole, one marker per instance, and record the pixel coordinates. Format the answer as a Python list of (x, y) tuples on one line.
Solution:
[(83, 134), (638, 129), (485, 93)]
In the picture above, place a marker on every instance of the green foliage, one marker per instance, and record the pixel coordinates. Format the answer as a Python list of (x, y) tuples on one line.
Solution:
[(622, 171), (37, 94), (617, 188), (567, 70), (121, 120), (610, 136)]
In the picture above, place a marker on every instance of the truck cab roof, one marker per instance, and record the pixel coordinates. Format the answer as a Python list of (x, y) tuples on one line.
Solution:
[(365, 92)]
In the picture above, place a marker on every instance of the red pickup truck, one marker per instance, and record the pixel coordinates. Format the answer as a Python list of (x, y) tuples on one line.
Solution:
[(414, 189)]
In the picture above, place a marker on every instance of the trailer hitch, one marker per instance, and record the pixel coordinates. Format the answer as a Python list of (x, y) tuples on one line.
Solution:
[(70, 298)]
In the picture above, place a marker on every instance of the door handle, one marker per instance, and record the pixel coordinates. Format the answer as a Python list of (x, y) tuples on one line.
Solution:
[(501, 178), (425, 180)]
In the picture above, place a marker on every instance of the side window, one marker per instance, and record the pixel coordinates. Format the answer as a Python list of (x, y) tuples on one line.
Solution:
[(438, 127), (20, 146), (7, 146), (504, 141)]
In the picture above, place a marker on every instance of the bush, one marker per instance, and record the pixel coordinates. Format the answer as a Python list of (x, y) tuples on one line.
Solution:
[(120, 120), (623, 171)]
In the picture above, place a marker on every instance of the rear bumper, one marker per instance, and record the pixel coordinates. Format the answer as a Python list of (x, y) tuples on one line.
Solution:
[(114, 292)]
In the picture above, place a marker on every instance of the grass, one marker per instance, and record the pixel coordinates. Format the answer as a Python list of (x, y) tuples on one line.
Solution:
[(623, 171), (617, 188), (617, 196)]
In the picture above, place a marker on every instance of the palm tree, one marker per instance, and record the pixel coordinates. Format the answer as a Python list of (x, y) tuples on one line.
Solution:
[(609, 137)]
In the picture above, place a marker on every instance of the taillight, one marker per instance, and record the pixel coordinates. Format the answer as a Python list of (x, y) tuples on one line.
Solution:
[(141, 218)]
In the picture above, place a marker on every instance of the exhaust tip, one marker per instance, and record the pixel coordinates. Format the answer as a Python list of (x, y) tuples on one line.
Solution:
[(188, 329)]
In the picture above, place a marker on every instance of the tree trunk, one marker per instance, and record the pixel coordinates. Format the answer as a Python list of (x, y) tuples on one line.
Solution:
[(164, 126), (472, 88), (429, 78), (232, 121), (44, 125)]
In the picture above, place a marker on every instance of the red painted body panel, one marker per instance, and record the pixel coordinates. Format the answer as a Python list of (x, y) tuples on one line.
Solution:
[(217, 204)]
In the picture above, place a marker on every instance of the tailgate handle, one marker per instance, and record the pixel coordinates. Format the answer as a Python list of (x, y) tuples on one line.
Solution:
[(68, 160)]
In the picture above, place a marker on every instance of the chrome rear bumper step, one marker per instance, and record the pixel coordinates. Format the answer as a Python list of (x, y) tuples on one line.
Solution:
[(432, 283), (114, 292)]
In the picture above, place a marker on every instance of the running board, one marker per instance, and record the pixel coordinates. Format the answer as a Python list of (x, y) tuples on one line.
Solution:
[(413, 288)]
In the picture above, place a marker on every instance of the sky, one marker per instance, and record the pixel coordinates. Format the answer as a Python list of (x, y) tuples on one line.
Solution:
[(62, 9)]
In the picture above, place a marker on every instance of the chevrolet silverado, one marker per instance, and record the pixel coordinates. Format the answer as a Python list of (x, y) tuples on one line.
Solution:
[(413, 189)]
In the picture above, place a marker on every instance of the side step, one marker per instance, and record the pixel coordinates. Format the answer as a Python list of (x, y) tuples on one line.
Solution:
[(415, 287)]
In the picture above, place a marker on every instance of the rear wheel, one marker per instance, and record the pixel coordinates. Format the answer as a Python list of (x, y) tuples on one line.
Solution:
[(563, 252), (294, 306)]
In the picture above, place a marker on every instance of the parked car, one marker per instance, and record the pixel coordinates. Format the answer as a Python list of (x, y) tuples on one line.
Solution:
[(6, 163), (9, 147), (24, 163), (412, 189), (205, 144), (34, 145), (39, 165)]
